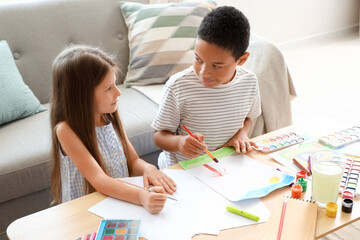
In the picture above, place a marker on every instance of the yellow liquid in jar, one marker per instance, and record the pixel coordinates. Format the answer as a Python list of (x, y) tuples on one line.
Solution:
[(326, 177)]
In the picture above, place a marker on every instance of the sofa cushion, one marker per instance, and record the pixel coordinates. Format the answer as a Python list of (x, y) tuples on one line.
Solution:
[(137, 113), (25, 145), (161, 38), (16, 98)]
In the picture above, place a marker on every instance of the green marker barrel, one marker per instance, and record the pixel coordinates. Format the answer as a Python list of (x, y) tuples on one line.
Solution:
[(242, 213)]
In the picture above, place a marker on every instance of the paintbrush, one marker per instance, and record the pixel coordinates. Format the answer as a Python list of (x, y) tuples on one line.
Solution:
[(131, 184), (207, 152)]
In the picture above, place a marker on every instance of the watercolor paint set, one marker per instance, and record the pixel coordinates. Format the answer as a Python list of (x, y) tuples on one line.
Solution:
[(341, 138), (279, 142), (350, 180), (112, 229)]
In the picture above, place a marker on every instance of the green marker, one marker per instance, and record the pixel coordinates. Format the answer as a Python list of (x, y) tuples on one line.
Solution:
[(242, 213)]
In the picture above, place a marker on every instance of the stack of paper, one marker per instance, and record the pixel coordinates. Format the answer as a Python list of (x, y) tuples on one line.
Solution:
[(199, 209)]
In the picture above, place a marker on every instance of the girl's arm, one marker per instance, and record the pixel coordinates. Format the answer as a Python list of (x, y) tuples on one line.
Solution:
[(73, 147), (151, 175)]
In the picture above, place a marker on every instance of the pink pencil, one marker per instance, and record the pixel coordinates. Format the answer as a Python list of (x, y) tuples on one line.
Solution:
[(282, 220), (93, 236)]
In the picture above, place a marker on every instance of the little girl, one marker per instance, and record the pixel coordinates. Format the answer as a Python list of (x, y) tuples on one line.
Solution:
[(90, 147)]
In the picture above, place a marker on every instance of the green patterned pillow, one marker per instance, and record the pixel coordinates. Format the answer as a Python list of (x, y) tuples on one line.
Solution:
[(161, 38), (16, 98)]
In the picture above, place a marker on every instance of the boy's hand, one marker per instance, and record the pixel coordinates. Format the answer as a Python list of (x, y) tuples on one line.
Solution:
[(192, 147), (157, 178), (241, 143), (153, 202)]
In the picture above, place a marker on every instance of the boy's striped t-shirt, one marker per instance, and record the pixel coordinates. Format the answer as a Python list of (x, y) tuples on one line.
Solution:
[(217, 113)]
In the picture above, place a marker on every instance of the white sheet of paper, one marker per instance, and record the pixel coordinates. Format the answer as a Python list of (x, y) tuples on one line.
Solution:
[(288, 163), (198, 210), (239, 177), (351, 149)]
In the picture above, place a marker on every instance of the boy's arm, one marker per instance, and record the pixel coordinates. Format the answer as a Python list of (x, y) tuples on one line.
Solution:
[(240, 141), (187, 145)]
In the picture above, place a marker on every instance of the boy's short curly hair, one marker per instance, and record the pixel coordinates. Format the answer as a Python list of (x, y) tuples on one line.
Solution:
[(228, 28)]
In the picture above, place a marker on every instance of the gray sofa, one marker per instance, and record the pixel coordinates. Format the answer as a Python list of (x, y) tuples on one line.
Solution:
[(36, 32)]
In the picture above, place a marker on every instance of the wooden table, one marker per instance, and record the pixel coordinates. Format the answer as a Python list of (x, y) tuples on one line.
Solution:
[(71, 220)]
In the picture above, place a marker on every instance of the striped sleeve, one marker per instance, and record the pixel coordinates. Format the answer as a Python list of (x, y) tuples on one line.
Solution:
[(168, 115), (255, 109)]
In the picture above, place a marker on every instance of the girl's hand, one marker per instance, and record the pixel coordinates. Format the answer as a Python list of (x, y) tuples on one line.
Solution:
[(241, 143), (192, 147), (157, 178), (153, 202)]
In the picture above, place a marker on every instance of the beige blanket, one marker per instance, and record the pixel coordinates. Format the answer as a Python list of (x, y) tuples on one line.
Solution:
[(276, 86)]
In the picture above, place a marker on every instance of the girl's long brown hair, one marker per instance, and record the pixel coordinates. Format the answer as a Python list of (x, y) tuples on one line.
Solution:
[(77, 70)]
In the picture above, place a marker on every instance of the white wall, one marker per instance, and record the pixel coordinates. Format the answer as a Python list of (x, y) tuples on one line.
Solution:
[(286, 21)]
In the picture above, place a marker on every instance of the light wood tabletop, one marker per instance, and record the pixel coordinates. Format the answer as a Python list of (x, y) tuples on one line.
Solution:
[(71, 220)]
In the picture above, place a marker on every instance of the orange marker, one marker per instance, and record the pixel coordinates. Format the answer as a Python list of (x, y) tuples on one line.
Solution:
[(208, 153)]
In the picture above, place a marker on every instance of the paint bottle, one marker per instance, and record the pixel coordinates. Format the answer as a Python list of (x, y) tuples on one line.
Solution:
[(347, 194), (300, 174), (296, 190), (347, 205), (331, 209), (303, 184)]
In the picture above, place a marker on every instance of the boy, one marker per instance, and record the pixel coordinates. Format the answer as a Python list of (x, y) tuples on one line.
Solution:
[(215, 98)]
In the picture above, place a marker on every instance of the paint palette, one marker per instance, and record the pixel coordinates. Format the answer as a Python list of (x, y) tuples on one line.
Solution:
[(341, 138), (279, 142), (350, 180), (111, 229)]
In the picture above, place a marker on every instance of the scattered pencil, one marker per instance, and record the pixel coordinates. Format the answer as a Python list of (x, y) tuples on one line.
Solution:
[(282, 220), (291, 173), (302, 167), (207, 151), (93, 236)]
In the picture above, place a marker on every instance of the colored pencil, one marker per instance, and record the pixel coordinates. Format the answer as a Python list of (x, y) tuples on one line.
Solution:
[(131, 184), (309, 161), (282, 220), (291, 173), (299, 165), (207, 151), (93, 236)]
